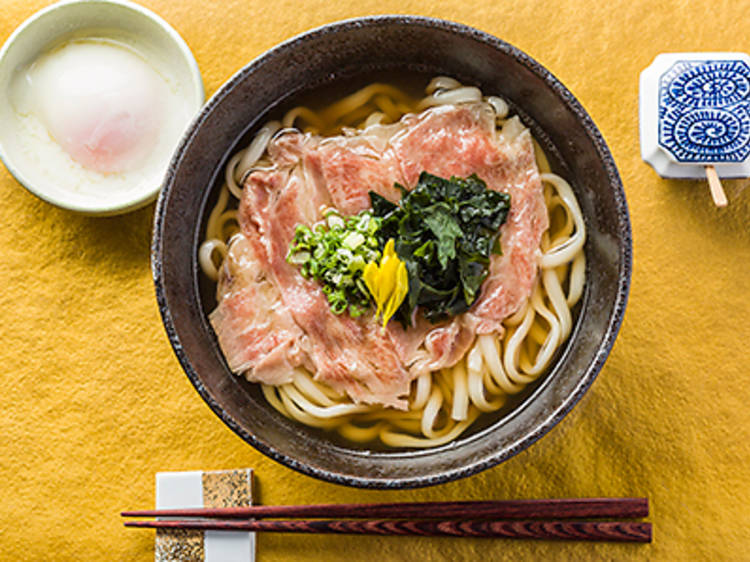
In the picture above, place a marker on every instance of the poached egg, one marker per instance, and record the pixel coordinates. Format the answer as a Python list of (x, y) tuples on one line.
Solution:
[(97, 117)]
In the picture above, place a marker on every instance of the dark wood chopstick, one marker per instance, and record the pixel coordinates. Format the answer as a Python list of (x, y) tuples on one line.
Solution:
[(618, 531), (501, 509)]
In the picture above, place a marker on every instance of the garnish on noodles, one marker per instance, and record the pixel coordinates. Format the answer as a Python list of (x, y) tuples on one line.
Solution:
[(434, 246), (388, 282), (335, 252), (445, 231)]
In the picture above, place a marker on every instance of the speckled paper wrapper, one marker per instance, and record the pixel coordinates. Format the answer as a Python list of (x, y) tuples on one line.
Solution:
[(221, 488)]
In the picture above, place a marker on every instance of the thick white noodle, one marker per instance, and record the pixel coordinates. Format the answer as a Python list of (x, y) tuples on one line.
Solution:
[(513, 360), (477, 385), (205, 257), (375, 118), (512, 128), (361, 434), (566, 251), (256, 149), (394, 439), (474, 361), (212, 230), (235, 189), (516, 318), (577, 279), (490, 386), (326, 412), (219, 225), (442, 83), (424, 386), (558, 301), (460, 409), (272, 397), (464, 94), (301, 414), (499, 105), (291, 116), (493, 360), (314, 392), (431, 411)]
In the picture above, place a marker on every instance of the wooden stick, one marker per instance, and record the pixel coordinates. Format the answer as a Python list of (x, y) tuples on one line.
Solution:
[(619, 531), (717, 191), (502, 509)]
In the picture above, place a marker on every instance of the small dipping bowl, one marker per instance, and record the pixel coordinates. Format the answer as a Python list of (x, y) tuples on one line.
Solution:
[(40, 169)]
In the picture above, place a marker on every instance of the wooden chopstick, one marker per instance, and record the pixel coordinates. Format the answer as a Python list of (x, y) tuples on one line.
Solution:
[(618, 531), (502, 509)]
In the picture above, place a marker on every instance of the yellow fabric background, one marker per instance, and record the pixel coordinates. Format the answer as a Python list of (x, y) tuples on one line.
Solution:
[(94, 402)]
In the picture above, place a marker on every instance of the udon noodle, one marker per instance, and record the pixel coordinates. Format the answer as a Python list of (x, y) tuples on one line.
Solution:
[(442, 404)]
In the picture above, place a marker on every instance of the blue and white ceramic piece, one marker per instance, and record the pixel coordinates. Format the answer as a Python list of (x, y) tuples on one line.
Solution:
[(694, 112)]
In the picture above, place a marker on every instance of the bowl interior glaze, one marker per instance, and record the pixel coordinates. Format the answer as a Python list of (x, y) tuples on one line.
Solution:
[(351, 50)]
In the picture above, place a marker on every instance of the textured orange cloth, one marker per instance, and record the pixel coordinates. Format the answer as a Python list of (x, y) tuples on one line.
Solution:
[(94, 402)]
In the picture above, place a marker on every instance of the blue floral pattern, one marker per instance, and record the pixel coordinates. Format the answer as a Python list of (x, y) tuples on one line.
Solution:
[(704, 111)]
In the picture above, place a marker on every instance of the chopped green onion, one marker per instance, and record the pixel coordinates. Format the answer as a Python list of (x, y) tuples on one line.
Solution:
[(299, 258), (335, 252), (335, 221), (353, 240)]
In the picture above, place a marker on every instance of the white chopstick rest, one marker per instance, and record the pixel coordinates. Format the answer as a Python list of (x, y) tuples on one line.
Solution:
[(197, 489), (695, 117)]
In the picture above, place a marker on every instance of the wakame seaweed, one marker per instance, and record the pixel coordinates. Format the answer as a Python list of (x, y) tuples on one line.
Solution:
[(445, 231)]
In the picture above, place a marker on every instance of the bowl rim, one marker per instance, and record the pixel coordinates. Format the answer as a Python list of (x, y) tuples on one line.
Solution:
[(196, 85), (609, 334)]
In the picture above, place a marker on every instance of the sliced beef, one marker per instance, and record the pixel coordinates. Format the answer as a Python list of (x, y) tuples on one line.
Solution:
[(309, 173)]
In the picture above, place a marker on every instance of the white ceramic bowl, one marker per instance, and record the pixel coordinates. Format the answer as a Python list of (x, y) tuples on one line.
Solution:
[(164, 50)]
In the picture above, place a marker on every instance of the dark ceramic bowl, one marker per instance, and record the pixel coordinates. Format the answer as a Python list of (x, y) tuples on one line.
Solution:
[(357, 50)]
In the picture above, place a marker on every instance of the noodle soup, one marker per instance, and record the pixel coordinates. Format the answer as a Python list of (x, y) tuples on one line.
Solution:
[(494, 371)]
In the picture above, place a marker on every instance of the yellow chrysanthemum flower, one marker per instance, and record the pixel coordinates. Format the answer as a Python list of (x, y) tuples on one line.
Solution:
[(388, 282)]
